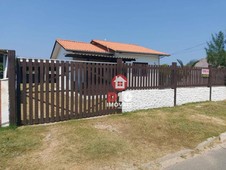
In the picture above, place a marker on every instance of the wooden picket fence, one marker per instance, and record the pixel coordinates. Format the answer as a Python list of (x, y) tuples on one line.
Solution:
[(52, 90), (159, 77)]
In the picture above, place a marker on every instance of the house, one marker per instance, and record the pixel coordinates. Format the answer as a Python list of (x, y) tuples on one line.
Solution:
[(4, 63), (202, 63), (105, 51)]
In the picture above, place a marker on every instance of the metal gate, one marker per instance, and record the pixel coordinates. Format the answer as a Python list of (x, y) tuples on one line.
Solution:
[(52, 90)]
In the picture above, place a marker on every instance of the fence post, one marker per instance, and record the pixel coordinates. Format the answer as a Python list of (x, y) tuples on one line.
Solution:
[(119, 66), (210, 81), (174, 81), (12, 87)]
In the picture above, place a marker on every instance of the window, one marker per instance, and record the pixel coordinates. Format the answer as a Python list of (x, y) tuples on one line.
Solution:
[(140, 69), (120, 83)]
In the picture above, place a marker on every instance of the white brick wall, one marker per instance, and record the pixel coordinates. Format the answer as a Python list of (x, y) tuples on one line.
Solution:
[(145, 99), (218, 93), (194, 94)]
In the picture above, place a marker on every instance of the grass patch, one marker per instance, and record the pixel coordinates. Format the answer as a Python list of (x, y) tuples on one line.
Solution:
[(14, 142), (116, 141)]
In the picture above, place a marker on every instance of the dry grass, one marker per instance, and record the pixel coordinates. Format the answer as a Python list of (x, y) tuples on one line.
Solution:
[(114, 142)]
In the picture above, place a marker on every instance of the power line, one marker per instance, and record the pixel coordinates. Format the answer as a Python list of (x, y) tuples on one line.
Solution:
[(195, 46), (187, 49)]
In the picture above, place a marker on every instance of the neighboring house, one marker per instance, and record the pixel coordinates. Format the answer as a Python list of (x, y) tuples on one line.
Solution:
[(202, 63), (105, 51), (4, 63)]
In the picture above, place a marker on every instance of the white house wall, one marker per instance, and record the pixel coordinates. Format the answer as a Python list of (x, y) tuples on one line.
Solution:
[(56, 51), (61, 55), (150, 59)]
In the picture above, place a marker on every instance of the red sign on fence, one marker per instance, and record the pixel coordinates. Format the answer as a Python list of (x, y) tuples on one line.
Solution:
[(119, 82), (112, 97), (205, 72)]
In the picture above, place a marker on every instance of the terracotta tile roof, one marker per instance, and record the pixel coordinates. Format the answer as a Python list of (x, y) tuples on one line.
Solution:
[(79, 46), (121, 47)]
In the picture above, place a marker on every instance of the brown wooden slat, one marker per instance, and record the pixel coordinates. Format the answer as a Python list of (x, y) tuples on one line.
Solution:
[(57, 66), (113, 73), (104, 87), (52, 102), (62, 88), (135, 75), (131, 77), (41, 103), (67, 89), (128, 75), (72, 81), (80, 66), (18, 93), (47, 90), (76, 91), (101, 89), (146, 76), (93, 88), (24, 92), (113, 90), (97, 88), (138, 77), (84, 89), (30, 92), (89, 89), (109, 86), (12, 85), (143, 76), (36, 84), (154, 77), (150, 81), (193, 77)]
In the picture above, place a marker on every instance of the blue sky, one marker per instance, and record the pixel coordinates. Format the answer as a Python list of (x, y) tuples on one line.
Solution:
[(178, 27)]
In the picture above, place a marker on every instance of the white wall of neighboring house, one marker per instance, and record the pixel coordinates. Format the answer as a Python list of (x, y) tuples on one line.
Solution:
[(5, 66), (4, 104)]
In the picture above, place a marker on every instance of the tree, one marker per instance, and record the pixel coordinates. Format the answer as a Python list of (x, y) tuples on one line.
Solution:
[(192, 63), (216, 54)]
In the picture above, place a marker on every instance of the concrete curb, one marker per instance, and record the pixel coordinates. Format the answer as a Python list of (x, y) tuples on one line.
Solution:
[(184, 154), (222, 137)]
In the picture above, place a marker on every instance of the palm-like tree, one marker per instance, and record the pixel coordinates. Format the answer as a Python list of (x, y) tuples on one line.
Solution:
[(191, 63)]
